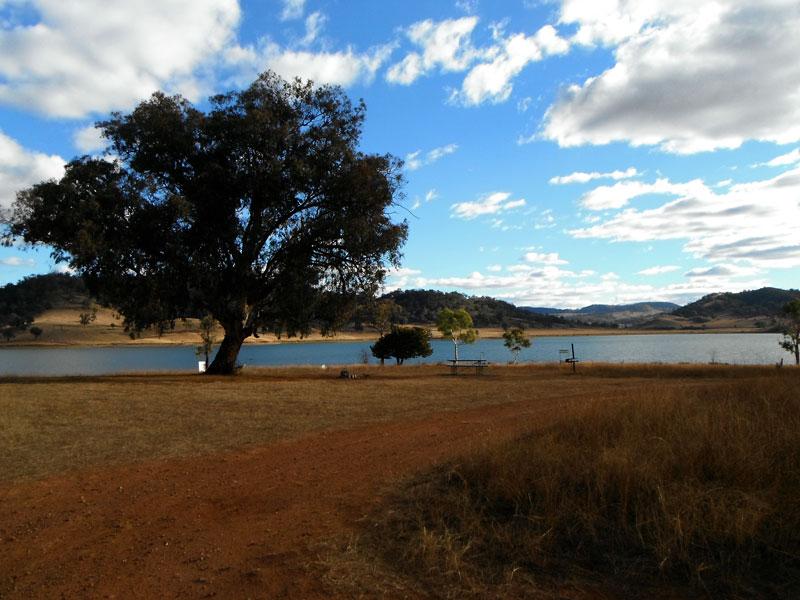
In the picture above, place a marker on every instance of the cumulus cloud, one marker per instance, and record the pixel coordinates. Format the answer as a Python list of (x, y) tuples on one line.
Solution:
[(443, 45), (94, 56), (492, 81), (20, 168), (340, 67), (790, 158), (400, 278), (756, 223), (544, 258), (416, 160), (489, 204), (687, 77), (721, 270), (89, 139), (618, 195), (17, 261), (658, 270), (292, 9), (314, 24), (582, 177)]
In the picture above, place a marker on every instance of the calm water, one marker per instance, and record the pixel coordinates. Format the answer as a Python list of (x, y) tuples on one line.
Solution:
[(734, 348)]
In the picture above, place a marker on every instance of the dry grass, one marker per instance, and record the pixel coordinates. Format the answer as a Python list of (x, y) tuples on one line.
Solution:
[(54, 425), (692, 489)]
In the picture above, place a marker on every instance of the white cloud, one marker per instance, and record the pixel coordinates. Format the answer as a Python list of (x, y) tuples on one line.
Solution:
[(443, 45), (688, 76), (721, 270), (790, 158), (17, 261), (756, 223), (468, 6), (494, 268), (618, 195), (431, 195), (314, 24), (341, 67), (20, 168), (401, 277), (292, 9), (95, 56), (415, 160), (89, 139), (489, 204), (659, 270), (492, 81), (582, 177), (545, 258)]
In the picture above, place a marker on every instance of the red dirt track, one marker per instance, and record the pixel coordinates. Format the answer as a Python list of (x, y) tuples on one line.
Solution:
[(236, 525)]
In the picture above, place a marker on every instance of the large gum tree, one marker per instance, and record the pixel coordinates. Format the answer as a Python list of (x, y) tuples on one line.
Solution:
[(260, 211)]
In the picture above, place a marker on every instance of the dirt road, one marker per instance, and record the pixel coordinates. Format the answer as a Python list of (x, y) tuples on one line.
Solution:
[(232, 525)]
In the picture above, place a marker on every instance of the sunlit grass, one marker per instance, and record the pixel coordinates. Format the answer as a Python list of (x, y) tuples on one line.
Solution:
[(693, 487)]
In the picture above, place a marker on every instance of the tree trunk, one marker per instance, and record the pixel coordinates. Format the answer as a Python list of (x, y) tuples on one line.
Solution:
[(224, 362), (455, 348), (797, 354)]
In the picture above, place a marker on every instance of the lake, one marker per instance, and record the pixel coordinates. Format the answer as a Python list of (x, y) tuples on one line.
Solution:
[(733, 348)]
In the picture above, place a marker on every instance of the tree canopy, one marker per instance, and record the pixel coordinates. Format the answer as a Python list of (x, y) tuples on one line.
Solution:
[(515, 340), (261, 211), (456, 325), (402, 343), (791, 331)]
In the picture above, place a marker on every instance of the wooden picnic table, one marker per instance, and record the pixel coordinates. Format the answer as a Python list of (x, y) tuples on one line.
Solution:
[(479, 364)]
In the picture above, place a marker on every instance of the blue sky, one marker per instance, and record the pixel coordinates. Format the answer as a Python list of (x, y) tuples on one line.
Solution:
[(557, 153)]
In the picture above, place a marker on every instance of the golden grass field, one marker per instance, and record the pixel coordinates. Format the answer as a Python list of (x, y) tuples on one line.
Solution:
[(667, 481)]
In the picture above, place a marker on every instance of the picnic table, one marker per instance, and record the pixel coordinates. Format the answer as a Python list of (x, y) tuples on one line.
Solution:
[(479, 364)]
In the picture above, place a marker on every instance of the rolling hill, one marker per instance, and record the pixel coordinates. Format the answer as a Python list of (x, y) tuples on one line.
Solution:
[(764, 302)]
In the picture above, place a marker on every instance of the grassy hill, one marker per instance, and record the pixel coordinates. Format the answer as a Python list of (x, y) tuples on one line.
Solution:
[(422, 306), (22, 302), (764, 302)]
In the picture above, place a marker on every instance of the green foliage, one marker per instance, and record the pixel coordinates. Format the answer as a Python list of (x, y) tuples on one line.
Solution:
[(791, 331), (36, 331), (515, 340), (22, 302), (423, 306), (456, 325), (402, 343), (89, 315), (261, 211), (382, 314)]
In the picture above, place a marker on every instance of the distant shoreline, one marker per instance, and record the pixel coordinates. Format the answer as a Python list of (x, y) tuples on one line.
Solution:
[(350, 336)]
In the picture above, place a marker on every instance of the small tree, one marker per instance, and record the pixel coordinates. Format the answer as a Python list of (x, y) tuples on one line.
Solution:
[(456, 325), (89, 315), (403, 343), (791, 331), (515, 340), (36, 331), (8, 334), (206, 337), (381, 315)]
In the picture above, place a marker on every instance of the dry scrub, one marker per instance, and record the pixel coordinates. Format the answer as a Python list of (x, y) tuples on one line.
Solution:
[(696, 490)]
